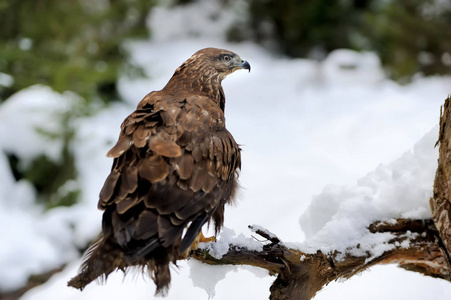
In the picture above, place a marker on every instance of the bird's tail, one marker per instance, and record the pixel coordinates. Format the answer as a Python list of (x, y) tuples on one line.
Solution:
[(103, 257), (100, 260)]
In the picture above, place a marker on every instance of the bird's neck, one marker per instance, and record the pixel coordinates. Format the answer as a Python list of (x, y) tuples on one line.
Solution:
[(204, 82)]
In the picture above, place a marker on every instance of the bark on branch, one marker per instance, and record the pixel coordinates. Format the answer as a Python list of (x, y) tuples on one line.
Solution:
[(441, 201), (301, 275)]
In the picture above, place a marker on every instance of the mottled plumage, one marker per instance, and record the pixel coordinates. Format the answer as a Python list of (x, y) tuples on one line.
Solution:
[(175, 167)]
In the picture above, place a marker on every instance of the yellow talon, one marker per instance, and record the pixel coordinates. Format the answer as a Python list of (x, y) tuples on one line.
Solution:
[(203, 239), (195, 245)]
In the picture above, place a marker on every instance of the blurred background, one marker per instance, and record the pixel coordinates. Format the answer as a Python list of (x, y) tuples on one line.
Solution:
[(77, 45), (70, 72)]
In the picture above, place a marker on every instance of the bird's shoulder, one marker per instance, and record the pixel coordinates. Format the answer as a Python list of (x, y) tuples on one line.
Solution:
[(162, 117)]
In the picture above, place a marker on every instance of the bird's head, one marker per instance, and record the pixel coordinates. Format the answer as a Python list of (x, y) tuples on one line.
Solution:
[(220, 61), (203, 73)]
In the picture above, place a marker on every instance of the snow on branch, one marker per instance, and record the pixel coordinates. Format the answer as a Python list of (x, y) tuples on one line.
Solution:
[(300, 275), (419, 244)]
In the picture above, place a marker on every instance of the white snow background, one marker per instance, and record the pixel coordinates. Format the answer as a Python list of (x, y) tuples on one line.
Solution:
[(326, 151)]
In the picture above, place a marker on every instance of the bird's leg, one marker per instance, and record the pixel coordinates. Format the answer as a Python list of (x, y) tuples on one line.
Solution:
[(203, 239), (199, 239)]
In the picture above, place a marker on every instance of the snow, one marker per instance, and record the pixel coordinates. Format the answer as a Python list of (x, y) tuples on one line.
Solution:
[(228, 237), (347, 67), (310, 132), (255, 228), (38, 108), (212, 278), (6, 80), (339, 216), (35, 107)]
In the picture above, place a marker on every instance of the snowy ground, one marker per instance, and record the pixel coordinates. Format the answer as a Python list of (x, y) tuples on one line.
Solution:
[(326, 150)]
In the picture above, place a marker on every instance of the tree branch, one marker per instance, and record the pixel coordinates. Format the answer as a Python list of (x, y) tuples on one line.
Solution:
[(301, 275)]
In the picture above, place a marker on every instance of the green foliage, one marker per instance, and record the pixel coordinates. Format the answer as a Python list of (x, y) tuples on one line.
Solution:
[(300, 26), (68, 45), (410, 36)]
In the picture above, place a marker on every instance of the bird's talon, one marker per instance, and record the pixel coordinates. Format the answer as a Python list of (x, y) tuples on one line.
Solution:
[(204, 239)]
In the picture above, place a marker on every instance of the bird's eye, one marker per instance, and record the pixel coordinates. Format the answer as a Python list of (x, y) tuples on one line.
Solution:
[(226, 58)]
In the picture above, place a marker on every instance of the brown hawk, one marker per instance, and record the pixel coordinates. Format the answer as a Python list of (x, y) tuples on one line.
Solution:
[(175, 167)]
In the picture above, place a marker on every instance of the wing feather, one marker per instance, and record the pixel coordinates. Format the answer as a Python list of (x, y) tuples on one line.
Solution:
[(167, 231), (108, 188), (145, 225), (128, 183), (125, 204), (184, 165), (122, 145), (140, 136), (165, 147), (153, 168)]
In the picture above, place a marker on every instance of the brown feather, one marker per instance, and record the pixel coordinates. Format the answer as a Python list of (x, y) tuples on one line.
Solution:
[(197, 154), (145, 225), (128, 183), (108, 188), (170, 116), (203, 148), (198, 177), (129, 129), (164, 147), (122, 145), (167, 231), (166, 199), (176, 221), (140, 136), (150, 124), (209, 183), (184, 165), (127, 203), (153, 168)]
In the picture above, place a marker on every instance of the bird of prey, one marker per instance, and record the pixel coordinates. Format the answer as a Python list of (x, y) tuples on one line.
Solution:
[(175, 167)]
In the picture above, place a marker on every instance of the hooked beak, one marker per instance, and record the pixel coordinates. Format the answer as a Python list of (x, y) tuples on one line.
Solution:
[(245, 65)]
